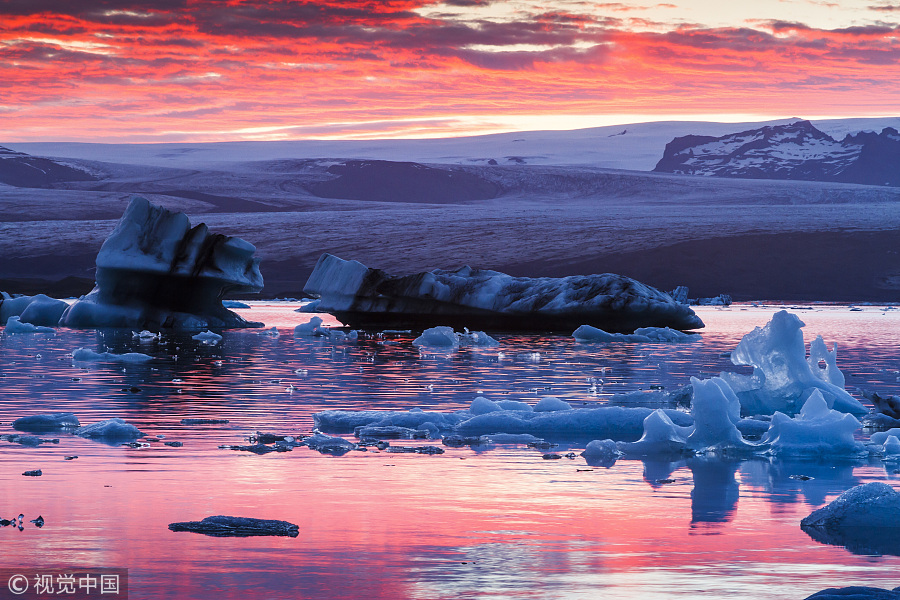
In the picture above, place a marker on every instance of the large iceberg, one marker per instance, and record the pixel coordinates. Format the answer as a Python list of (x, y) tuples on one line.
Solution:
[(156, 271), (783, 378), (483, 299)]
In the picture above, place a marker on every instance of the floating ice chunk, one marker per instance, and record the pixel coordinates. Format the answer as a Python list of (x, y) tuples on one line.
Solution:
[(207, 337), (716, 411), (111, 430), (144, 336), (87, 355), (438, 337), (479, 298), (855, 592), (155, 270), (782, 377), (892, 447), (14, 325), (871, 505), (327, 444), (514, 405), (234, 304), (818, 352), (817, 430), (310, 328), (601, 449), (270, 332), (397, 433), (223, 526), (477, 338), (513, 438), (550, 404), (47, 422), (888, 406), (37, 310), (586, 333), (482, 405), (584, 423), (309, 307), (341, 421), (880, 437), (660, 437)]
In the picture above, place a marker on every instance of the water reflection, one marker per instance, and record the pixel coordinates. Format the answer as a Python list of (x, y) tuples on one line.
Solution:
[(490, 521)]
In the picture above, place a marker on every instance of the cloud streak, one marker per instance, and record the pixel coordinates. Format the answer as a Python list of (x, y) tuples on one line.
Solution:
[(213, 70)]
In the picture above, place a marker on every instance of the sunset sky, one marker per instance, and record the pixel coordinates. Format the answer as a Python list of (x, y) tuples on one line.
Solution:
[(177, 70)]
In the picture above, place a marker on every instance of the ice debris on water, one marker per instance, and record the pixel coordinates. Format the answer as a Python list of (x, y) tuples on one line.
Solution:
[(270, 332), (35, 473), (110, 430), (46, 422), (207, 337), (588, 334), (200, 421), (144, 335), (14, 325), (224, 526), (87, 355), (888, 406), (313, 327), (445, 337)]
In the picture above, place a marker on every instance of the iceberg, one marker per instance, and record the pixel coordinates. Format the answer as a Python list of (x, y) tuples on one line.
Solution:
[(782, 377), (39, 310), (88, 355), (110, 430), (224, 526), (155, 271), (47, 422), (489, 300), (865, 519), (207, 337), (445, 338), (817, 430)]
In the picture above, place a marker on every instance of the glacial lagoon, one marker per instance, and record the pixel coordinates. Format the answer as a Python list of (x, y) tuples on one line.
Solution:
[(492, 521)]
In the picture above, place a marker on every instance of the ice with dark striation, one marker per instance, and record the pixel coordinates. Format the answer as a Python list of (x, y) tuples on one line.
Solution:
[(489, 300), (783, 378), (223, 526), (39, 310), (864, 519), (155, 271), (46, 422), (588, 334)]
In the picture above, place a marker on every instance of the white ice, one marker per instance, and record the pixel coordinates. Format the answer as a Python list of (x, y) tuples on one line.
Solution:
[(38, 310), (817, 430), (207, 337), (313, 327), (444, 337)]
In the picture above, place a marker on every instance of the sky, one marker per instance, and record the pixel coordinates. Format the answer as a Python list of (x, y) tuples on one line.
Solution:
[(180, 70)]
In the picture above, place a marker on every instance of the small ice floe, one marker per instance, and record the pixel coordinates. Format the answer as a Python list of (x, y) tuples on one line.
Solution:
[(35, 473), (313, 327), (87, 355), (885, 405), (39, 309), (551, 404), (204, 421), (856, 592), (223, 526), (46, 422), (310, 306), (110, 430), (816, 431), (270, 332), (208, 338), (864, 519), (783, 378), (234, 304), (415, 449), (144, 336), (39, 522), (445, 338), (589, 334), (601, 453), (14, 325), (428, 431), (31, 441), (327, 444)]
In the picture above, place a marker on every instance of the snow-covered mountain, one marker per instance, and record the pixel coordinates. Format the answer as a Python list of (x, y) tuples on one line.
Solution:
[(797, 150), (23, 170)]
